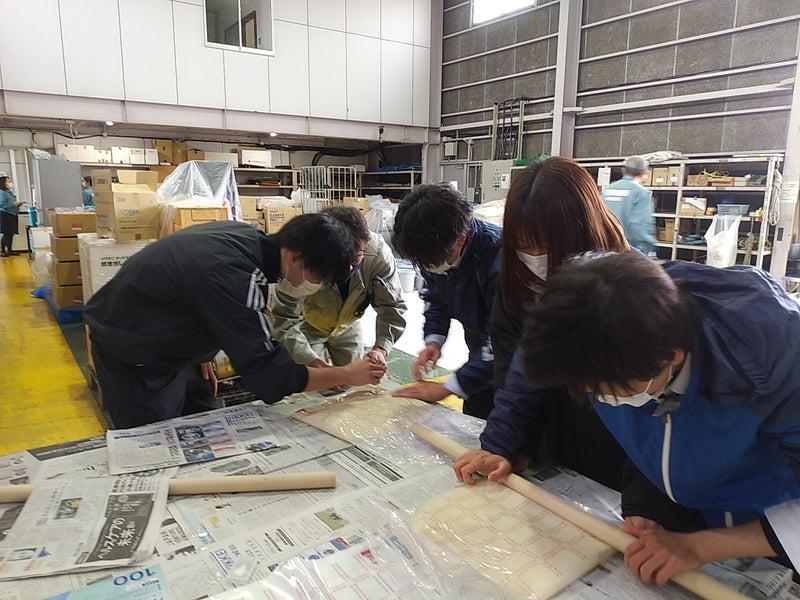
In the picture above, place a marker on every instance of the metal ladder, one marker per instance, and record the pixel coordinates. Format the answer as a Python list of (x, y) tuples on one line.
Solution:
[(508, 122)]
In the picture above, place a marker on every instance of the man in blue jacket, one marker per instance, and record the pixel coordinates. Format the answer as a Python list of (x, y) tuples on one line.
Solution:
[(632, 203), (694, 370), (460, 261)]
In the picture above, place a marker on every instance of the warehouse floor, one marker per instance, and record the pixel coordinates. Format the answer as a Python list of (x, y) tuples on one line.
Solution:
[(44, 398)]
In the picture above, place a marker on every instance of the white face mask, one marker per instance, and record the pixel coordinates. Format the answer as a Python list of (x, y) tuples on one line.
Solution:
[(535, 264), (445, 266), (306, 288), (636, 400)]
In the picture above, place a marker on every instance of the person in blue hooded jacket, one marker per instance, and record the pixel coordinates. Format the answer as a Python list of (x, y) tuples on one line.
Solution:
[(694, 370), (460, 261)]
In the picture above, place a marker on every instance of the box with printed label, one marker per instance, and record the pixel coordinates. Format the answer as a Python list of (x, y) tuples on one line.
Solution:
[(694, 207), (69, 223), (85, 153), (64, 249), (102, 156), (101, 259), (66, 273), (660, 176), (137, 156), (255, 157), (127, 210), (673, 176), (67, 296), (186, 217), (120, 155), (150, 156), (275, 218)]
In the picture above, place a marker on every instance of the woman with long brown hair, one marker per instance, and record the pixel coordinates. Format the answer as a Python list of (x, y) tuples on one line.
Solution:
[(553, 211)]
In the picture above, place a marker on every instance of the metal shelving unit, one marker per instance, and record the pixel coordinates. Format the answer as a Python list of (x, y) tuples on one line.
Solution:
[(667, 200), (391, 184), (288, 180)]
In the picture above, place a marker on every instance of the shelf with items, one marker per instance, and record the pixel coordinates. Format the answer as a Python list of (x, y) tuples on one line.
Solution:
[(283, 181), (394, 184), (754, 175)]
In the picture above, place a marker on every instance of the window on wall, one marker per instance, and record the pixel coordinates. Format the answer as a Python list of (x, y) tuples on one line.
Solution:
[(486, 10), (242, 24)]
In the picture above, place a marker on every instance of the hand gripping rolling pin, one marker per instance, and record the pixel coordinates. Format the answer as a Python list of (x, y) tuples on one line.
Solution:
[(694, 581), (215, 485)]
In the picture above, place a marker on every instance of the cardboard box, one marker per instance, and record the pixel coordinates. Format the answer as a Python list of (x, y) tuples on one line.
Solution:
[(137, 156), (101, 259), (67, 223), (660, 176), (648, 179), (85, 153), (275, 218), (162, 171), (230, 157), (120, 155), (360, 203), (255, 157), (257, 223), (150, 156), (164, 150), (64, 249), (193, 154), (68, 151), (721, 181), (696, 181), (66, 273), (67, 296), (148, 178), (249, 205), (694, 207), (674, 176), (186, 217), (180, 153), (102, 156)]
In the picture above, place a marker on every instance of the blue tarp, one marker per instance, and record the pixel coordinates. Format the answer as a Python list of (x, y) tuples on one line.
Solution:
[(64, 316)]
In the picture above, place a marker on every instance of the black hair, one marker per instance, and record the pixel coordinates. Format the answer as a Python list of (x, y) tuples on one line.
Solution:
[(613, 319), (88, 180), (428, 222), (3, 182), (324, 243), (352, 219)]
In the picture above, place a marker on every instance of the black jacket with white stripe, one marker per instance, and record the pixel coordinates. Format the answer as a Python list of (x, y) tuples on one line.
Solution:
[(181, 299)]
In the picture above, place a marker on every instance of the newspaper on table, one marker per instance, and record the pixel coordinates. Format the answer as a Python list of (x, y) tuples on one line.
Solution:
[(141, 583), (87, 456), (71, 524), (199, 438)]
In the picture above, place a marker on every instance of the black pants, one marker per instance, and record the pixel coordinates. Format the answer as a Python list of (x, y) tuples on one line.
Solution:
[(137, 395), (480, 402), (8, 227)]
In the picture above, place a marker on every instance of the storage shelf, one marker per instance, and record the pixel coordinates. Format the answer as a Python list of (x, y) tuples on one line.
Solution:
[(264, 170), (662, 189), (390, 173), (708, 217), (704, 248), (264, 187), (740, 188), (119, 165)]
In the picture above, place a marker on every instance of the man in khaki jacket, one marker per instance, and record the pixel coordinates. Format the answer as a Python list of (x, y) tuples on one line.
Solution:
[(322, 329)]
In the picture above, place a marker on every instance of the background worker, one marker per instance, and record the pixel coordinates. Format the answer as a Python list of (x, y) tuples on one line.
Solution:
[(459, 258), (632, 203), (327, 322), (9, 219), (88, 192), (693, 369), (177, 302)]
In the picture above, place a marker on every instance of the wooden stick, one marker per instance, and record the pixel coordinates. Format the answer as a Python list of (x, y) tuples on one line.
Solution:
[(215, 485), (694, 581)]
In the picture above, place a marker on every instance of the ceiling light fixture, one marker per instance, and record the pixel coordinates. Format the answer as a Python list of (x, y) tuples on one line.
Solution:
[(273, 134), (110, 123)]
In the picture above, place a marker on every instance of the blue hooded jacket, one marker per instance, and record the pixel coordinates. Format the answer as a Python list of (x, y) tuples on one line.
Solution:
[(465, 294), (731, 446)]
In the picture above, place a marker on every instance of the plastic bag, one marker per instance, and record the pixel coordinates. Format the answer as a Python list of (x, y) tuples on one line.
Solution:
[(40, 265), (205, 182), (722, 239), (380, 217), (491, 212), (304, 198)]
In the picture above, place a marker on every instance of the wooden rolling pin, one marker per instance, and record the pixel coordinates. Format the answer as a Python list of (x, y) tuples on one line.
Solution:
[(694, 581), (215, 485)]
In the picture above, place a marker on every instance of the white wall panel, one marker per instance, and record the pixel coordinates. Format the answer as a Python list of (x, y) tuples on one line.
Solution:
[(326, 13), (396, 82), (92, 48), (148, 51), (295, 11), (246, 81), (422, 82), (364, 17), (422, 22), (363, 78), (327, 71), (201, 80), (397, 20), (288, 70), (31, 56)]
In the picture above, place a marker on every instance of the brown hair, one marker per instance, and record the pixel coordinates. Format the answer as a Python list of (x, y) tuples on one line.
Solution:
[(352, 218), (553, 203)]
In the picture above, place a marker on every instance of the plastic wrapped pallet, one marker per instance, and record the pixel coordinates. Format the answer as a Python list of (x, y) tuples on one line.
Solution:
[(209, 182), (102, 258)]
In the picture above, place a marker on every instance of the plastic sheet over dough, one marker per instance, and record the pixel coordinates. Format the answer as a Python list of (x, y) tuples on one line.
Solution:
[(524, 548)]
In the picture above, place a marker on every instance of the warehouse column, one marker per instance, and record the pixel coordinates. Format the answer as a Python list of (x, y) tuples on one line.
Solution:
[(432, 148), (785, 231), (569, 47)]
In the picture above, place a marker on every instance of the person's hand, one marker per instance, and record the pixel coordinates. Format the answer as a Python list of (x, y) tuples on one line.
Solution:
[(318, 363), (429, 354), (378, 355), (210, 375), (427, 391), (364, 371), (494, 466), (640, 523), (657, 555)]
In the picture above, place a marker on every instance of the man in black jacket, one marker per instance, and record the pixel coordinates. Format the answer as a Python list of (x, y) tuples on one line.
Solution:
[(173, 306)]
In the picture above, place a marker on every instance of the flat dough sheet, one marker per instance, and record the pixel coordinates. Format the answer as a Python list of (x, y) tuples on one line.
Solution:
[(524, 548), (364, 415)]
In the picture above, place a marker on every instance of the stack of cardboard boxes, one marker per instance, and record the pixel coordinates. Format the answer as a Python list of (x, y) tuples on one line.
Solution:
[(250, 212), (66, 268), (127, 210)]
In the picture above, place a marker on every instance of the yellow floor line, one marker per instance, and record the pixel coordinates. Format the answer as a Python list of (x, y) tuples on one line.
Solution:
[(43, 395)]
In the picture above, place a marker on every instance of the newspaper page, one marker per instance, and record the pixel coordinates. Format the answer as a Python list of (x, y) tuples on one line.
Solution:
[(141, 583), (72, 524), (87, 456), (199, 438)]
